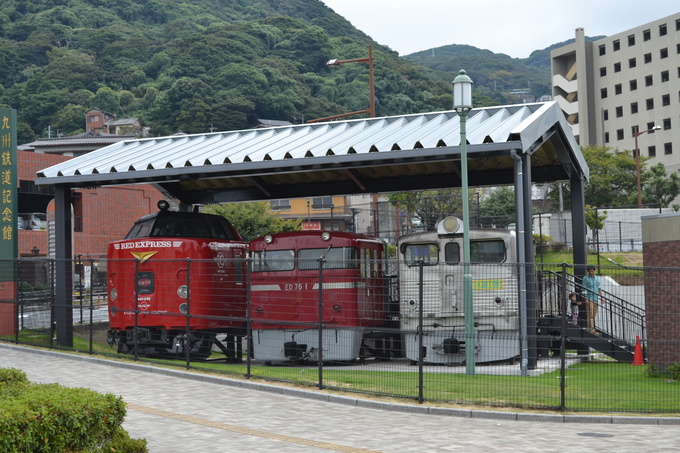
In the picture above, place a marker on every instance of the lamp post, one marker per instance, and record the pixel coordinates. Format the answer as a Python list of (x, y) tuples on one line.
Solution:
[(637, 161), (462, 103), (371, 86)]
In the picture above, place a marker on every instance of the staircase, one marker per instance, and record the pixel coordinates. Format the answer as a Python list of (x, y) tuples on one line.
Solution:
[(618, 324), (618, 349)]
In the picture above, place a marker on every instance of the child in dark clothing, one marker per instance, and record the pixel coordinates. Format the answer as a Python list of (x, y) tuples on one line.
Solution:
[(574, 308)]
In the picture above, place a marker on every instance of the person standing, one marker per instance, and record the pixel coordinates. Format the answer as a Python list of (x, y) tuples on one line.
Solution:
[(575, 304), (592, 293)]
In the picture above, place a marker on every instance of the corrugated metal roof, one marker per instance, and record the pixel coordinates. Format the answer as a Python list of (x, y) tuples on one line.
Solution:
[(351, 154)]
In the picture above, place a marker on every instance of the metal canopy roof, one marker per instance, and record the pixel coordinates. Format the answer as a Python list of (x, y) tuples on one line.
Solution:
[(398, 153)]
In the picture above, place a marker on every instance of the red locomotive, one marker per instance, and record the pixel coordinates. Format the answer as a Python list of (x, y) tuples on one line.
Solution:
[(296, 276), (175, 282)]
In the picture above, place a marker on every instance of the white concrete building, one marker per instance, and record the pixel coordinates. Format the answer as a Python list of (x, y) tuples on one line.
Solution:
[(624, 84)]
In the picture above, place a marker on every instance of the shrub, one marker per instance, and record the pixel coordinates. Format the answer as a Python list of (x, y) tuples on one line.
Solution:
[(53, 418), (26, 287)]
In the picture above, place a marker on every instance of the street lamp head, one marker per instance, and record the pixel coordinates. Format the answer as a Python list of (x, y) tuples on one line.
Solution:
[(462, 92), (656, 128), (334, 62)]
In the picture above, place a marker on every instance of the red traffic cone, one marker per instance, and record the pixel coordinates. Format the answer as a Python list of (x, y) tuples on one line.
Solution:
[(637, 354)]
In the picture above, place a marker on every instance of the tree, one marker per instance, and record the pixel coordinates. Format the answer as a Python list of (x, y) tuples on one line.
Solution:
[(595, 220), (252, 220), (613, 180), (660, 187), (499, 203), (430, 206), (69, 120), (106, 99)]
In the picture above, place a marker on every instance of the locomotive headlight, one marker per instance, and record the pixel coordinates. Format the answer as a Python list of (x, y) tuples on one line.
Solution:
[(336, 307), (326, 236), (183, 291), (268, 238), (184, 308), (499, 301), (113, 295)]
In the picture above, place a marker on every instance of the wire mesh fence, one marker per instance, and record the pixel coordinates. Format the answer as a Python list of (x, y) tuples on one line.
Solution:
[(380, 327)]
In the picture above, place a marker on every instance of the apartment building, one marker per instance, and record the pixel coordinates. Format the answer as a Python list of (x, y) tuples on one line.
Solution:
[(623, 87)]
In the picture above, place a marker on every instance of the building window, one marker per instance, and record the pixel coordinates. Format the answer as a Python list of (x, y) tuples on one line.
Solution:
[(322, 202), (677, 47), (279, 205), (650, 104), (617, 88), (651, 151), (648, 58), (667, 148), (605, 115), (606, 137), (663, 53), (619, 134), (602, 50), (633, 107), (617, 67), (666, 100), (603, 71), (633, 85), (603, 93), (649, 81), (631, 40), (619, 112), (666, 124), (617, 45), (646, 35), (662, 30), (664, 76), (677, 24), (632, 63), (94, 118)]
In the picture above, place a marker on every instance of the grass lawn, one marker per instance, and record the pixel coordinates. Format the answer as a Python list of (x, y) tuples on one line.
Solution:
[(589, 386)]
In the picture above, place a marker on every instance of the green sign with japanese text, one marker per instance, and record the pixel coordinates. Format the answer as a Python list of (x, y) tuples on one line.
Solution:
[(8, 193)]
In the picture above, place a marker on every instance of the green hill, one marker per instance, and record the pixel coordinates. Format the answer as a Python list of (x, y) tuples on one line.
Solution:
[(202, 65)]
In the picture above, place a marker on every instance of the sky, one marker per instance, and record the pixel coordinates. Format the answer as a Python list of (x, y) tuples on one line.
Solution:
[(515, 28)]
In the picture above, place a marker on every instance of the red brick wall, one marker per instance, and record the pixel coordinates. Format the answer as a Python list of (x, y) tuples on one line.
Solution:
[(29, 163), (107, 213), (661, 302)]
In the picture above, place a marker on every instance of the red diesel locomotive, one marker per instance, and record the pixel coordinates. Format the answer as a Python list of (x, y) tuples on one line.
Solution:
[(170, 265), (296, 273)]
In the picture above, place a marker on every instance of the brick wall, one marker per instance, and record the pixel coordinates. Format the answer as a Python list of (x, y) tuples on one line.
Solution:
[(661, 302), (107, 213)]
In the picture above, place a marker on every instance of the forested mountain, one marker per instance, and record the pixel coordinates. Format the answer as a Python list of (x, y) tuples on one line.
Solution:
[(495, 76), (202, 65)]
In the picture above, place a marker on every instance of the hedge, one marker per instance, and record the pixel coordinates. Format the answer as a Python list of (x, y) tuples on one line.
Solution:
[(53, 418)]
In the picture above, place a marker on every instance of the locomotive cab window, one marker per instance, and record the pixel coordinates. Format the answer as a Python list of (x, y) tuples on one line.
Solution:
[(452, 253), (273, 260), (140, 229), (175, 227), (428, 253), (219, 228), (487, 251), (336, 258)]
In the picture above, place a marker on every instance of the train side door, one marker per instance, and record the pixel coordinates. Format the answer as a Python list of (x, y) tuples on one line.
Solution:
[(369, 285), (452, 292)]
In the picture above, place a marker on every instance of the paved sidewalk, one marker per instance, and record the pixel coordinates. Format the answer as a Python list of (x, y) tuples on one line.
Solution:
[(178, 412)]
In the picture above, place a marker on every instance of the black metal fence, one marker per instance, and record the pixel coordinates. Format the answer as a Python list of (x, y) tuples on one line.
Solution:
[(398, 329)]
